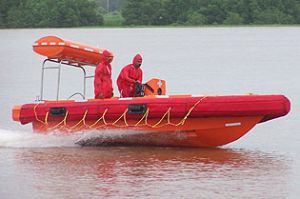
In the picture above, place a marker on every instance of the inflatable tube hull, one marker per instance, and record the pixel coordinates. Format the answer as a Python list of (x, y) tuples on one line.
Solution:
[(204, 121)]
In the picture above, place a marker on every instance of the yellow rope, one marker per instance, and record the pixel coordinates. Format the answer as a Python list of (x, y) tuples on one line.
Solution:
[(102, 117), (46, 118), (35, 114), (189, 112), (145, 118), (122, 116), (163, 117), (82, 120), (63, 121)]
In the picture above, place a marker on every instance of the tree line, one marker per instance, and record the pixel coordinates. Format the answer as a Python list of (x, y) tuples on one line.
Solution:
[(211, 12), (74, 13), (49, 13)]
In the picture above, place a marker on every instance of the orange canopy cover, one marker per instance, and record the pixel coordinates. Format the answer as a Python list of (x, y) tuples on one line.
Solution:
[(56, 48)]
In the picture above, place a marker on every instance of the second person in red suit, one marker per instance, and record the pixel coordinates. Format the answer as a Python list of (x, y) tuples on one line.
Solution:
[(129, 76)]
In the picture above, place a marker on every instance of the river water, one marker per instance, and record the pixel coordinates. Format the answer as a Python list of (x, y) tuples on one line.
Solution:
[(210, 61)]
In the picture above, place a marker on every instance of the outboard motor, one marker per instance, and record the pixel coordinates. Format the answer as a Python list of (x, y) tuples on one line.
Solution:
[(139, 90)]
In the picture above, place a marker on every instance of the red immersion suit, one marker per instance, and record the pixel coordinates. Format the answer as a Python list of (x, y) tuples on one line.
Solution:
[(128, 76), (102, 82)]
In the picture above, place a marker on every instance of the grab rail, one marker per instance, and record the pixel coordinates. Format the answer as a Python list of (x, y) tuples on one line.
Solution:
[(60, 63)]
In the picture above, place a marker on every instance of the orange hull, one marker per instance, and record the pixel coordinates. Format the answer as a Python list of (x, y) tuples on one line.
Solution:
[(201, 132), (207, 121)]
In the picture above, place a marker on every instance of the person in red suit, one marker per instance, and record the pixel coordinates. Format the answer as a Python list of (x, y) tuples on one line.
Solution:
[(129, 76), (102, 81)]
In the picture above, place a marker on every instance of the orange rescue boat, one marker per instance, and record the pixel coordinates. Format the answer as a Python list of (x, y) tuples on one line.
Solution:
[(154, 117)]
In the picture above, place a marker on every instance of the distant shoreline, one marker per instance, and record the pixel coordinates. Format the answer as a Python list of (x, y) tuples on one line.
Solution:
[(164, 26)]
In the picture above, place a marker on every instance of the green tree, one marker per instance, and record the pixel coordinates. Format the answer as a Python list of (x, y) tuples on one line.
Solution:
[(111, 5), (233, 19), (215, 12), (2, 25), (196, 18), (142, 12), (273, 16), (88, 15), (5, 6), (15, 18), (49, 13), (177, 11), (35, 14), (295, 12)]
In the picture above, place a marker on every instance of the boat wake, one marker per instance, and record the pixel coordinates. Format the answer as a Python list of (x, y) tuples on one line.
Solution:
[(109, 137), (24, 139)]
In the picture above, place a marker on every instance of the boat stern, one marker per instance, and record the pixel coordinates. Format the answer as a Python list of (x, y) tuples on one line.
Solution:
[(16, 111)]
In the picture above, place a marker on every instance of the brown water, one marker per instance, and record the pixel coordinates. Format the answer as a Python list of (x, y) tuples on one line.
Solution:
[(211, 61)]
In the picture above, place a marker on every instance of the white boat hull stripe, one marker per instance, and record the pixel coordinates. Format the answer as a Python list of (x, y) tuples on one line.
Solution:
[(233, 124)]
